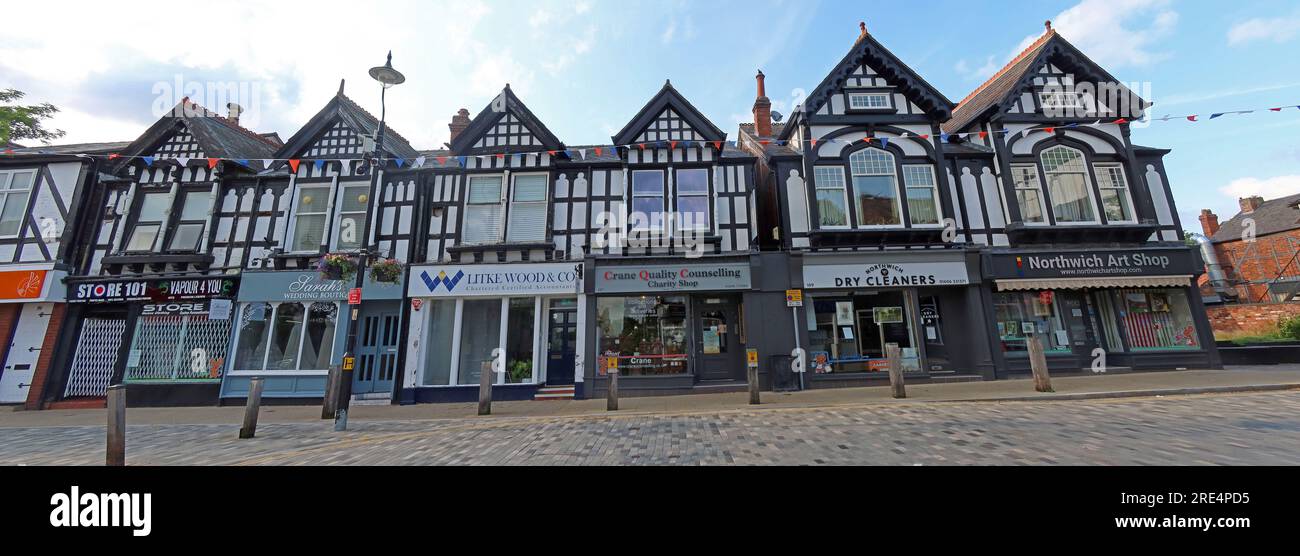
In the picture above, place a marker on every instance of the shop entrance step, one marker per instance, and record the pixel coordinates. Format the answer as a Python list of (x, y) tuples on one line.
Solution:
[(554, 393)]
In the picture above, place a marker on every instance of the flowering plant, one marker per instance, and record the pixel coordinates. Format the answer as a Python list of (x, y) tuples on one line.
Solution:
[(386, 270), (334, 266)]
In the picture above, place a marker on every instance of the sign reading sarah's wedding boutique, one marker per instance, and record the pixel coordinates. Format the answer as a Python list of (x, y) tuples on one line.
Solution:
[(494, 280), (307, 286)]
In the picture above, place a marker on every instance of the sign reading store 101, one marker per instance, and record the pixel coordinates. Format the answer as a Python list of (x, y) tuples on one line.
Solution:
[(146, 290)]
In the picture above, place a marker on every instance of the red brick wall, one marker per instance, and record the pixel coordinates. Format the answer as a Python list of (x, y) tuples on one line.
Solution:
[(41, 376), (1250, 318), (1271, 254), (8, 319)]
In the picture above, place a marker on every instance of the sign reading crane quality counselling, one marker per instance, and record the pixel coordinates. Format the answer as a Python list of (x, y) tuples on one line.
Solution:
[(669, 278), (494, 280), (886, 275)]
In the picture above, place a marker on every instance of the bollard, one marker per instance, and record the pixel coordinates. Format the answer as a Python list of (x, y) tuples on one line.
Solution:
[(485, 388), (251, 408), (116, 449), (328, 403), (753, 386), (895, 361), (1038, 364), (612, 399)]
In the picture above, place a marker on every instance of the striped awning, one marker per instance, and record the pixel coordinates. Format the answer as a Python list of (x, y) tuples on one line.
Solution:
[(1094, 283)]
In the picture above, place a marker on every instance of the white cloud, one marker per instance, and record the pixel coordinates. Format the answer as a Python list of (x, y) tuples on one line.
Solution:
[(985, 71), (1116, 33), (1277, 30), (1268, 188), (669, 31)]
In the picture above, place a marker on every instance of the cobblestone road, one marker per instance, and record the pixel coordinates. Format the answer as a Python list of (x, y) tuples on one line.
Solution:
[(1195, 430)]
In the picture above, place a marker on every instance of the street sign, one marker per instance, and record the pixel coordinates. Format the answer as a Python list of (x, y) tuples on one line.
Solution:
[(611, 364), (751, 357), (354, 296), (349, 363), (794, 298)]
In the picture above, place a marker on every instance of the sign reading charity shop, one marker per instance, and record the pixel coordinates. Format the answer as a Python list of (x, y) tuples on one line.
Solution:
[(668, 278), (494, 280), (886, 275)]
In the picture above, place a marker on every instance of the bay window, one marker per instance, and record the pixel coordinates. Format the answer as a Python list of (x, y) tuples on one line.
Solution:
[(1067, 185), (1115, 198), (311, 217), (693, 199), (149, 223), (528, 209), (875, 187), (648, 200), (1029, 194), (922, 194), (15, 190), (832, 197)]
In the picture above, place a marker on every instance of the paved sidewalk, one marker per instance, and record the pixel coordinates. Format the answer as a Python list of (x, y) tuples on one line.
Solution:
[(1259, 378)]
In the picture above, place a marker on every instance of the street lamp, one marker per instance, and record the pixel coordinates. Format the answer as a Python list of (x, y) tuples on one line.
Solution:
[(387, 78)]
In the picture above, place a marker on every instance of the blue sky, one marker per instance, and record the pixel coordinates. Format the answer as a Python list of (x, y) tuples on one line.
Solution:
[(585, 67)]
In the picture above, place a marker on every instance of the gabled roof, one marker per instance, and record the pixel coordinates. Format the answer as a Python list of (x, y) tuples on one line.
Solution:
[(866, 50), (1272, 216), (668, 97), (1001, 89), (76, 148), (218, 136), (341, 107), (490, 114)]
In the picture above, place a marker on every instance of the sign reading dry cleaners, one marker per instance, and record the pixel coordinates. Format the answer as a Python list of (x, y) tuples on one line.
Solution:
[(635, 279), (886, 275), (494, 280)]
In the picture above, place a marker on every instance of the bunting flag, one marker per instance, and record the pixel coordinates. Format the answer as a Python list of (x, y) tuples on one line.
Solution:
[(148, 160), (242, 162), (884, 141), (183, 161), (442, 160), (463, 160), (212, 162), (266, 163), (419, 161), (598, 149), (293, 164), (400, 162), (318, 163), (114, 156)]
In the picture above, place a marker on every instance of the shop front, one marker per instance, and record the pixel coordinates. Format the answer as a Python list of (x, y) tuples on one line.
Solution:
[(291, 327), (1100, 309), (518, 320), (30, 299), (926, 303), (669, 326), (166, 339)]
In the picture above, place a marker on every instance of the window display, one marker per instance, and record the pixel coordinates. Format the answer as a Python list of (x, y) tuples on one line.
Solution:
[(1158, 319), (848, 334), (646, 333), (1020, 315)]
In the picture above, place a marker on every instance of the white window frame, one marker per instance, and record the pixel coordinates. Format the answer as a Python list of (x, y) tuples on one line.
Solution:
[(887, 99), (503, 184), (363, 235), (7, 191), (843, 188), (508, 224), (1087, 186), (1036, 186), (1058, 99), (1120, 186), (270, 330), (898, 194), (175, 229), (541, 334), (297, 214), (933, 186), (161, 223), (707, 195), (664, 210)]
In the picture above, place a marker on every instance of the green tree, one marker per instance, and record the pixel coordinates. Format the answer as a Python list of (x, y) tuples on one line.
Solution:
[(18, 122)]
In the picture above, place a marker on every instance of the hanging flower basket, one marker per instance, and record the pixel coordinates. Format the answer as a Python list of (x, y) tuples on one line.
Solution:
[(386, 270), (334, 266)]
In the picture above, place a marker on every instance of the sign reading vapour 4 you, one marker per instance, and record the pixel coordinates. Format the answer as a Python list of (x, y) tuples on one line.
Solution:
[(668, 278), (152, 290), (1083, 264), (494, 280)]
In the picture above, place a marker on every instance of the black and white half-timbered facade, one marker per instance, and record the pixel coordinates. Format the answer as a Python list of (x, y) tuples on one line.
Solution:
[(41, 193), (1083, 243), (314, 199), (159, 264)]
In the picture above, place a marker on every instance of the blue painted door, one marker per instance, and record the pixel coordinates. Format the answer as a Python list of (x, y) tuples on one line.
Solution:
[(377, 353), (561, 346)]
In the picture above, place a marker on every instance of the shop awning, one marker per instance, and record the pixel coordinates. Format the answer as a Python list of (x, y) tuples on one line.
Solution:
[(1094, 283)]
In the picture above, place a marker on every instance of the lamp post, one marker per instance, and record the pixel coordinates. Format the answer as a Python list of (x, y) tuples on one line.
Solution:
[(387, 77)]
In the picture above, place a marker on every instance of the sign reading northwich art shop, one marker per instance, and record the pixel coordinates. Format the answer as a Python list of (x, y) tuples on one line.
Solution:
[(886, 275), (494, 280), (1081, 264), (667, 278)]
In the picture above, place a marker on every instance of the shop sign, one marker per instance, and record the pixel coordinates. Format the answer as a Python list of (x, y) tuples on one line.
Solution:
[(354, 296), (494, 280), (151, 290), (307, 286), (670, 278), (22, 284), (1083, 264), (175, 308), (886, 275)]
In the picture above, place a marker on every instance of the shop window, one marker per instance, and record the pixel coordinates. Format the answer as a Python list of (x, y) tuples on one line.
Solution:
[(693, 199), (646, 333), (922, 195), (1109, 320), (521, 325), (442, 327), (480, 334), (832, 197), (318, 340), (15, 189), (254, 324), (875, 188), (302, 337), (1158, 319), (1067, 185), (1020, 315), (1115, 198), (848, 334), (1029, 194), (648, 200), (311, 215), (178, 348), (352, 217)]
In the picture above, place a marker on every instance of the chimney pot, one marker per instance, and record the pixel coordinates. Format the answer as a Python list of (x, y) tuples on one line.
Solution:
[(762, 108), (1249, 204), (459, 123), (1209, 222), (1048, 25), (233, 111)]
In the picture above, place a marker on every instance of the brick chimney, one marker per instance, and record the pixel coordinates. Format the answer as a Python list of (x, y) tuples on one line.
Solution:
[(459, 123), (234, 110), (762, 109), (1249, 204), (1209, 222)]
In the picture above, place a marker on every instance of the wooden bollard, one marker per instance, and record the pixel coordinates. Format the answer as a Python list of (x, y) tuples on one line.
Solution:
[(1038, 364), (895, 360), (611, 403), (252, 407), (752, 376), (485, 388), (116, 449), (331, 388)]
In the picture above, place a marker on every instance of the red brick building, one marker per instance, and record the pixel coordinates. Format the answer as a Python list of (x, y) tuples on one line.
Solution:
[(1259, 248)]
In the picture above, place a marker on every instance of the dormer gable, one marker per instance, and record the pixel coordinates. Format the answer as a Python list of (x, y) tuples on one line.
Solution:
[(189, 132), (871, 79), (505, 125), (668, 117), (338, 131)]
